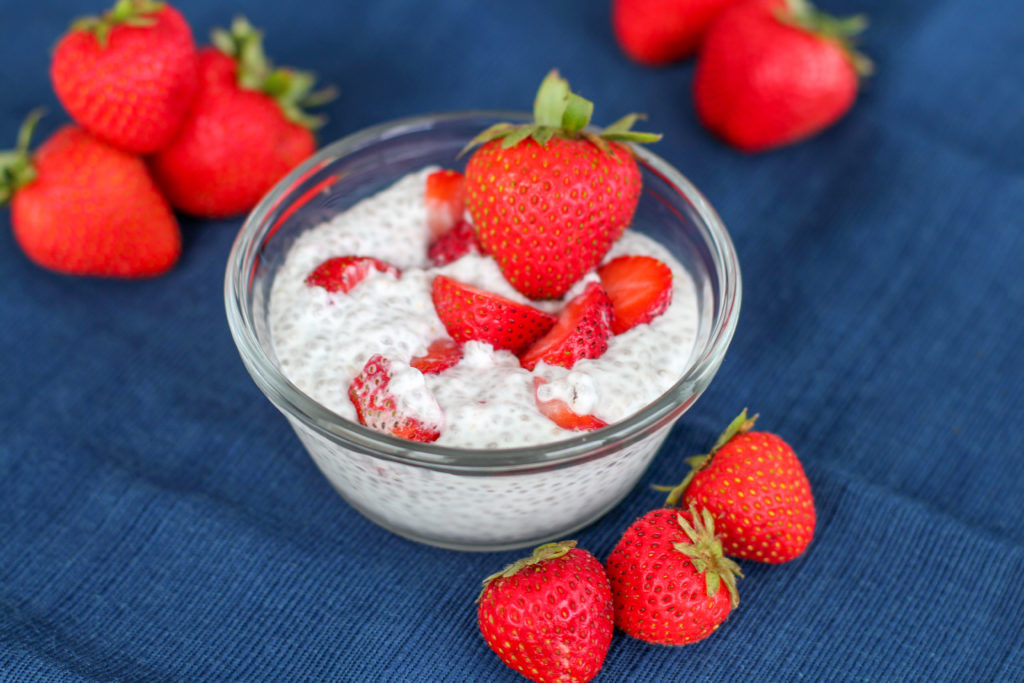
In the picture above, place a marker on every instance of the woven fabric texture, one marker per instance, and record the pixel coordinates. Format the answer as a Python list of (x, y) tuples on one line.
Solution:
[(160, 521)]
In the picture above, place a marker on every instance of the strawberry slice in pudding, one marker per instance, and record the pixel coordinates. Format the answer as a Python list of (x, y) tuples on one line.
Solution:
[(445, 196), (640, 288), (472, 314), (582, 331), (441, 355), (560, 412), (342, 273), (391, 397), (453, 245)]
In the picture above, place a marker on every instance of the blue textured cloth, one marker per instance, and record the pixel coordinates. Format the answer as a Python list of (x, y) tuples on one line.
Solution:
[(159, 521)]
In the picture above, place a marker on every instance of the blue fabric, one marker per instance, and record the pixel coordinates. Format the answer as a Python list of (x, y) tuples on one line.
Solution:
[(161, 522)]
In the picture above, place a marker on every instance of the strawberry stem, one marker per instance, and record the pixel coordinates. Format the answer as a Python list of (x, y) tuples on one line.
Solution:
[(559, 112), (548, 551), (290, 88), (16, 168), (740, 424), (705, 551), (124, 12), (843, 31)]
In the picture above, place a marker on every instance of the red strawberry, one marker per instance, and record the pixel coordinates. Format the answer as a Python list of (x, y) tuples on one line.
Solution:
[(559, 412), (757, 491), (342, 273), (244, 132), (82, 207), (129, 76), (640, 288), (670, 582), (380, 409), (446, 200), (549, 616), (774, 72), (549, 198), (469, 313), (441, 355), (658, 32), (581, 331), (453, 245)]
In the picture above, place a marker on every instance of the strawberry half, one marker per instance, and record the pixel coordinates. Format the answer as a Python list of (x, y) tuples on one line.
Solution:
[(342, 273), (414, 416), (581, 331), (640, 288), (441, 355), (445, 196), (559, 412), (472, 314), (453, 245)]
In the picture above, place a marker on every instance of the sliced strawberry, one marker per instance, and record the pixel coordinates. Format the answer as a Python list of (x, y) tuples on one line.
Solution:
[(640, 288), (342, 273), (559, 412), (582, 331), (454, 244), (441, 355), (446, 200), (379, 409), (471, 314)]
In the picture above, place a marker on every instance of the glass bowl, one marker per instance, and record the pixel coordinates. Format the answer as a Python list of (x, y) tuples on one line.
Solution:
[(460, 498)]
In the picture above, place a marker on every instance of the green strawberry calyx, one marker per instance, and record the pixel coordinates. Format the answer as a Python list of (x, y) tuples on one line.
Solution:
[(559, 112), (16, 168), (137, 13), (740, 424), (548, 551), (843, 31), (705, 551), (292, 89)]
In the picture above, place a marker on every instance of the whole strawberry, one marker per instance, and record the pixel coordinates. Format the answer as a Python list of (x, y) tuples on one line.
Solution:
[(671, 584), (245, 130), (757, 491), (549, 616), (774, 72), (548, 198), (129, 76), (82, 207), (659, 32)]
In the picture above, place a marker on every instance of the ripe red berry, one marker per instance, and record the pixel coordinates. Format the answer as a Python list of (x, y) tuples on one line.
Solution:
[(238, 139), (129, 76), (549, 198), (83, 207), (581, 331), (774, 72), (549, 616), (670, 582), (758, 492)]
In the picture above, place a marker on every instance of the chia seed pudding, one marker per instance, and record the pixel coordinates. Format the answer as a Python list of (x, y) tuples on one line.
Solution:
[(322, 340)]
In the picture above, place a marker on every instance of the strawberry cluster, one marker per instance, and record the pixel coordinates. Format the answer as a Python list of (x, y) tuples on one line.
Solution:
[(546, 201), (159, 124), (769, 72), (670, 579)]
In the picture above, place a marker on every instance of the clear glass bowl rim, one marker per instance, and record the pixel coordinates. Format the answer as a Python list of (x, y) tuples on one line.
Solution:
[(292, 401)]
